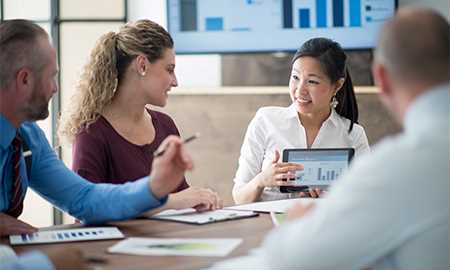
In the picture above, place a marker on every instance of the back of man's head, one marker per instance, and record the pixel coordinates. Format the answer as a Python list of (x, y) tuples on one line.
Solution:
[(19, 47), (414, 47)]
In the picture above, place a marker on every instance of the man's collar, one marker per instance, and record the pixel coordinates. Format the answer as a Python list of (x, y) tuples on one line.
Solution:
[(7, 131)]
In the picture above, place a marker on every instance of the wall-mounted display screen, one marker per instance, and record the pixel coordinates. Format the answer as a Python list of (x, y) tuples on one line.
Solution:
[(233, 26)]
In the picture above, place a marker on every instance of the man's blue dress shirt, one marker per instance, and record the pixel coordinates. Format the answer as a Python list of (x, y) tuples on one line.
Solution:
[(50, 178)]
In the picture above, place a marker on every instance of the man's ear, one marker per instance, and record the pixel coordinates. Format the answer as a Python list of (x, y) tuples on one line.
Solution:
[(24, 79), (382, 79)]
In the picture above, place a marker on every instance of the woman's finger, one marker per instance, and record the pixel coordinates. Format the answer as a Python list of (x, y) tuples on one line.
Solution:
[(290, 168), (313, 193), (289, 176)]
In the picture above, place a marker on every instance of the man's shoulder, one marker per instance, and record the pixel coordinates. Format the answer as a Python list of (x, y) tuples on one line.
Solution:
[(34, 137), (405, 159)]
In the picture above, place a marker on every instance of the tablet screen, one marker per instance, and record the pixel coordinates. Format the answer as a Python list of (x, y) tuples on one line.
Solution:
[(321, 166)]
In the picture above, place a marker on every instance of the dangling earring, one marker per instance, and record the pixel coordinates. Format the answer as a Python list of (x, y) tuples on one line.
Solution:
[(334, 102), (143, 73)]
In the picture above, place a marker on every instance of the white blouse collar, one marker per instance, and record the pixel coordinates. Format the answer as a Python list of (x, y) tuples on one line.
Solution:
[(334, 117)]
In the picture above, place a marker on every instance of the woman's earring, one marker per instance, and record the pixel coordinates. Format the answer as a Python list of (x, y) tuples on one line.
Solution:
[(334, 102), (143, 73)]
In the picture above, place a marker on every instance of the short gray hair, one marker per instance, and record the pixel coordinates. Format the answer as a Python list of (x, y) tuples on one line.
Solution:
[(414, 46), (19, 48)]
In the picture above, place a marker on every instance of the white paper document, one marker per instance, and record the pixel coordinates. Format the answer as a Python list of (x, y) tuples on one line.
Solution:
[(71, 235), (217, 247), (280, 206), (190, 215)]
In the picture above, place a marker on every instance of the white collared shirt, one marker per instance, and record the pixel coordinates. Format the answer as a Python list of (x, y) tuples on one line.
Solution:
[(391, 210), (277, 128)]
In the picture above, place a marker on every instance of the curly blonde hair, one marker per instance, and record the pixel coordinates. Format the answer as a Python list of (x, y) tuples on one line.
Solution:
[(105, 69)]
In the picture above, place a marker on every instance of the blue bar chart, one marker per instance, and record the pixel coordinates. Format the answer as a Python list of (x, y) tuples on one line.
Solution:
[(294, 14), (214, 23), (339, 9), (219, 26), (287, 14), (338, 13), (321, 13), (304, 18), (355, 13)]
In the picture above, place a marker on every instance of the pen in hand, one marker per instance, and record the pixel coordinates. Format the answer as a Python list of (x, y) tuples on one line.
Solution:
[(160, 152)]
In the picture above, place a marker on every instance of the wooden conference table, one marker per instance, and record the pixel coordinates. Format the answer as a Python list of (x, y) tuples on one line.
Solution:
[(251, 230)]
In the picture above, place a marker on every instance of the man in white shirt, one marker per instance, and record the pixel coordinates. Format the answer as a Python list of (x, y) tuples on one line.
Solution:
[(392, 208)]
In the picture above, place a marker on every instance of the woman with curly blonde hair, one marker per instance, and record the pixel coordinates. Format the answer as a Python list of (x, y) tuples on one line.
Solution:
[(114, 133)]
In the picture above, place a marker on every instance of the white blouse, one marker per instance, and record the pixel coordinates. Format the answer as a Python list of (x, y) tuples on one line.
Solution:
[(277, 128)]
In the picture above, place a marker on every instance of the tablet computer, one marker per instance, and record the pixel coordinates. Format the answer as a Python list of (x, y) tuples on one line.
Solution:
[(322, 166)]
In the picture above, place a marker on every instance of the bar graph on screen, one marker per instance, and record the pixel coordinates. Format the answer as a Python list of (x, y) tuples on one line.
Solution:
[(319, 172), (277, 25), (322, 13)]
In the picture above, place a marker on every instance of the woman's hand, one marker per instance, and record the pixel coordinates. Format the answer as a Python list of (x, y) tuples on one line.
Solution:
[(313, 193), (273, 175), (202, 199)]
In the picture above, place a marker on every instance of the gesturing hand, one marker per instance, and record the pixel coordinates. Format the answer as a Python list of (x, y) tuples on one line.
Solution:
[(10, 225), (313, 193), (273, 175), (168, 169)]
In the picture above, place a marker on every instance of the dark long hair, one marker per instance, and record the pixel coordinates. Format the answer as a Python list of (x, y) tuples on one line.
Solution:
[(333, 61)]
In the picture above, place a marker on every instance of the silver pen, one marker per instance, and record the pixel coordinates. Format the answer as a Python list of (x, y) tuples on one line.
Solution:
[(188, 139)]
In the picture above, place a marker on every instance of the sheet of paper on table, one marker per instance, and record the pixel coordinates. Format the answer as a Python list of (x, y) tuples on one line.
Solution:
[(216, 247), (69, 235)]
